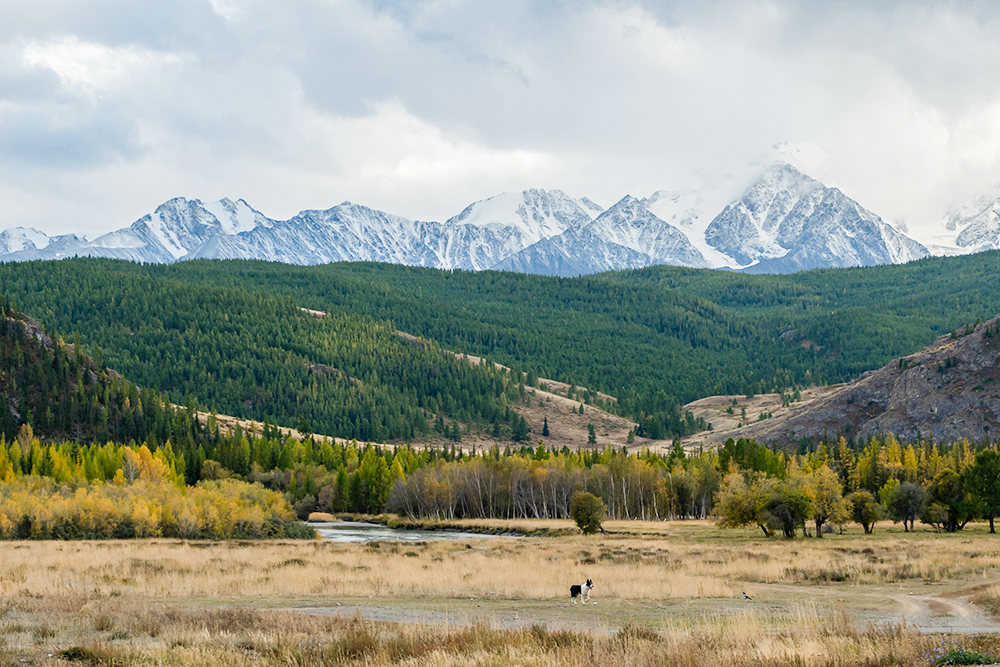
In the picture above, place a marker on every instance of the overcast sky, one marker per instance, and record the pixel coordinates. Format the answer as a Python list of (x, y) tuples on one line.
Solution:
[(110, 107)]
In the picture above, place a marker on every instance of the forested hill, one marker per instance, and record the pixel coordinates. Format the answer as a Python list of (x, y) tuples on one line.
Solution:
[(253, 355), (231, 333), (686, 332), (63, 393)]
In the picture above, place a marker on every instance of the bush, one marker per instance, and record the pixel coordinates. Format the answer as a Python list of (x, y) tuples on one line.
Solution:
[(958, 656), (588, 511)]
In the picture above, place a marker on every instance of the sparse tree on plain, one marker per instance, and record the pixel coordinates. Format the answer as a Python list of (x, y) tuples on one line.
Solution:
[(906, 504), (588, 511), (740, 505), (828, 505), (864, 510), (952, 506), (787, 508)]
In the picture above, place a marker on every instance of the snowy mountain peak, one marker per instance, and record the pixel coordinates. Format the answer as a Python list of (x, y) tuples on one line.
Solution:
[(176, 229), (746, 229), (963, 214), (17, 239), (789, 222), (628, 201), (630, 224), (537, 214), (235, 217)]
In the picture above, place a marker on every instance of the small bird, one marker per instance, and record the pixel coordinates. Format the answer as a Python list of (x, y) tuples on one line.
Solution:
[(746, 597)]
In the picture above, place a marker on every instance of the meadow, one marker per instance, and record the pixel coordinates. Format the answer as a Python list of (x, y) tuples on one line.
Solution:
[(666, 593)]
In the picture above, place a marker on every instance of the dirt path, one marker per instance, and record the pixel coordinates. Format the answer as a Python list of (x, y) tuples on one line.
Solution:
[(941, 612), (937, 613), (601, 616)]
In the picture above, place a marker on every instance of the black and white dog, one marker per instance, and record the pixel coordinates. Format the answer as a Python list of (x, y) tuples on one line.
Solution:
[(582, 592)]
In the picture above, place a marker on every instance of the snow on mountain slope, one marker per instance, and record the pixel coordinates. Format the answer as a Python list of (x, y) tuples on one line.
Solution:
[(746, 229), (591, 207), (353, 233), (827, 229), (345, 233), (770, 211), (472, 247), (625, 236), (174, 231), (901, 248), (17, 239), (787, 221), (979, 221), (62, 247), (630, 224), (961, 215), (577, 251), (537, 214), (482, 235), (691, 211), (236, 217), (760, 183)]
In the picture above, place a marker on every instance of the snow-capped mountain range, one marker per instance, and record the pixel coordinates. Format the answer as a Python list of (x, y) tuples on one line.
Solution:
[(785, 221)]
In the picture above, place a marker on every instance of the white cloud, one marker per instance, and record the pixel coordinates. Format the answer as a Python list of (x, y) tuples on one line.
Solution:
[(91, 66), (227, 9)]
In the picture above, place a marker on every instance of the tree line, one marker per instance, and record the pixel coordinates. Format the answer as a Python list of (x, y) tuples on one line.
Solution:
[(743, 483)]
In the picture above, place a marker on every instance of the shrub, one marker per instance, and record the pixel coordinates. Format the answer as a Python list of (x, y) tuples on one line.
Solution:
[(588, 511)]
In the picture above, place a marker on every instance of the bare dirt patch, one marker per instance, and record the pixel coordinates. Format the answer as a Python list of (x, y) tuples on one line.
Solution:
[(725, 424), (551, 401)]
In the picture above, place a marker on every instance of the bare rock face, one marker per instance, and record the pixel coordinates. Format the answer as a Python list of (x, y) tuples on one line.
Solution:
[(948, 391)]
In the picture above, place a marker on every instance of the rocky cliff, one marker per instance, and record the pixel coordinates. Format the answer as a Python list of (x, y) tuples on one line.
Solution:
[(948, 391)]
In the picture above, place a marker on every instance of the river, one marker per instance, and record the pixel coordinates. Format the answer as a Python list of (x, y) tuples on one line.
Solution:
[(354, 531)]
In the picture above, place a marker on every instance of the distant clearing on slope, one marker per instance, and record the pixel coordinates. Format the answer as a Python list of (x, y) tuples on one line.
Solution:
[(567, 427), (725, 425)]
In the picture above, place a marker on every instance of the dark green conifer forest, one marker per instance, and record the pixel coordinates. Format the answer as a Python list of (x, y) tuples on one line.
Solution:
[(231, 335)]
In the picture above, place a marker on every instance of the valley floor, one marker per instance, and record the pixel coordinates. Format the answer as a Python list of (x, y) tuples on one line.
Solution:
[(665, 591)]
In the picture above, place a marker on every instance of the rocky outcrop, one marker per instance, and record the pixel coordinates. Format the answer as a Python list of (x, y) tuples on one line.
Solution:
[(946, 392)]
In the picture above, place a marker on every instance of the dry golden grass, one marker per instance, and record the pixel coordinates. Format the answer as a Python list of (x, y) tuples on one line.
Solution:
[(636, 566), (126, 631), (167, 602), (519, 569)]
